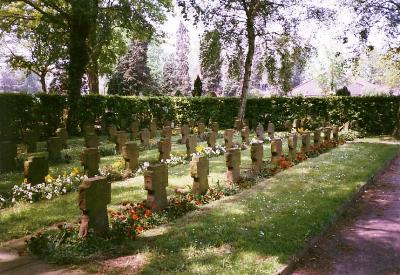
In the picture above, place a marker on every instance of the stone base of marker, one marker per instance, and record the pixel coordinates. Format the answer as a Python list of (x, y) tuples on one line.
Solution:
[(8, 153), (90, 160), (91, 141), (232, 160), (211, 139), (130, 152), (145, 137), (257, 154), (228, 138), (94, 195), (156, 182), (199, 171), (54, 147), (292, 144), (36, 168), (276, 150)]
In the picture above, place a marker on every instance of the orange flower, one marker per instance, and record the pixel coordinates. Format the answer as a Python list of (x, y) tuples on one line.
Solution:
[(147, 213), (139, 229), (135, 217)]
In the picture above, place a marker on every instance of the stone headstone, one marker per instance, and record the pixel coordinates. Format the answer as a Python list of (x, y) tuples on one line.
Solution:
[(36, 168), (257, 154), (228, 138), (211, 139), (130, 153), (346, 126), (260, 132), (232, 160), (317, 138), (215, 127), (238, 125), (191, 144), (121, 137), (164, 148), (201, 128), (335, 133), (30, 139), (166, 132), (91, 141), (156, 182), (271, 130), (145, 137), (88, 129), (292, 144), (134, 129), (8, 153), (191, 123), (305, 142), (63, 134), (94, 195), (199, 171), (90, 160), (153, 128), (54, 147), (167, 123), (245, 133), (276, 150), (327, 133), (288, 125), (185, 132), (111, 131)]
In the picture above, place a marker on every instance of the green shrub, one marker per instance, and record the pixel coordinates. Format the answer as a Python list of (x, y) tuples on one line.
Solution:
[(373, 115)]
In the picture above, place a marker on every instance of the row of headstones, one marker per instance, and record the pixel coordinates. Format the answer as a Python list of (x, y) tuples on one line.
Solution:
[(95, 192), (8, 148)]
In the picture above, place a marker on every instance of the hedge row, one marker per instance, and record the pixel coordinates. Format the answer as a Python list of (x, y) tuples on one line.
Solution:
[(375, 115)]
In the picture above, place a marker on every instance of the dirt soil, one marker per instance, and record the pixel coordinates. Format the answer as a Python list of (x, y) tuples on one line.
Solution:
[(367, 240)]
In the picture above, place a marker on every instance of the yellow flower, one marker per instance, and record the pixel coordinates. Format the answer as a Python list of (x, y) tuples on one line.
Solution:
[(25, 180), (49, 178), (200, 149), (75, 171)]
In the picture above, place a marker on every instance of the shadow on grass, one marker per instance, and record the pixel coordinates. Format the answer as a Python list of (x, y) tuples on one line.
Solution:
[(258, 230)]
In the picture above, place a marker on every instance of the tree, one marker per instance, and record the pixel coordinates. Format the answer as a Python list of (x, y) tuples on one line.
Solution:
[(182, 59), (169, 76), (132, 76), (245, 21), (80, 21), (197, 87), (211, 60)]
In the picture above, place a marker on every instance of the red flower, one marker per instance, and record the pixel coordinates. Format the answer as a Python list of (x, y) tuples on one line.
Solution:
[(135, 217), (139, 229), (147, 213)]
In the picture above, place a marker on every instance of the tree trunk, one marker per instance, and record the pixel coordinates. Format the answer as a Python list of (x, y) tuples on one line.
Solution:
[(79, 57), (43, 82), (93, 76), (251, 37)]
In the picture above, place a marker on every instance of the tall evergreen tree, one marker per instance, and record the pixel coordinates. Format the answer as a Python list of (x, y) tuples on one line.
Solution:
[(132, 76), (182, 55), (211, 61)]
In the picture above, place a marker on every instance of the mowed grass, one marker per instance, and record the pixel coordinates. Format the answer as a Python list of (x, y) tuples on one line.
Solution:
[(25, 218), (258, 230)]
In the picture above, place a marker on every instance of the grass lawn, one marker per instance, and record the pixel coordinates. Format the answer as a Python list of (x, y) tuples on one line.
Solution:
[(25, 218), (258, 230)]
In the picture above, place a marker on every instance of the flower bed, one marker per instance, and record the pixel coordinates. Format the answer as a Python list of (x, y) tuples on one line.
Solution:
[(131, 219)]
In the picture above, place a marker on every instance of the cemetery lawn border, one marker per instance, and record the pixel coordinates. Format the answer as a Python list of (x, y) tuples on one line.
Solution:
[(258, 230)]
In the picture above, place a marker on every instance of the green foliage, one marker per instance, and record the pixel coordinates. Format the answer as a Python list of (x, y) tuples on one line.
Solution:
[(343, 92), (374, 115), (198, 87)]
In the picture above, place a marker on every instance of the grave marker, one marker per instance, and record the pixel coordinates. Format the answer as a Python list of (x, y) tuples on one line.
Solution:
[(199, 171), (54, 147), (164, 148), (145, 137), (156, 182), (276, 150), (185, 132), (121, 137), (211, 139), (191, 144), (292, 144), (90, 160), (271, 130), (232, 160), (91, 141), (260, 132), (228, 138), (36, 168), (245, 134), (257, 154), (130, 153), (63, 135)]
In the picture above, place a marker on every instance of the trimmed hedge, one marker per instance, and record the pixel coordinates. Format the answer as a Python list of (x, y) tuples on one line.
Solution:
[(375, 115)]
